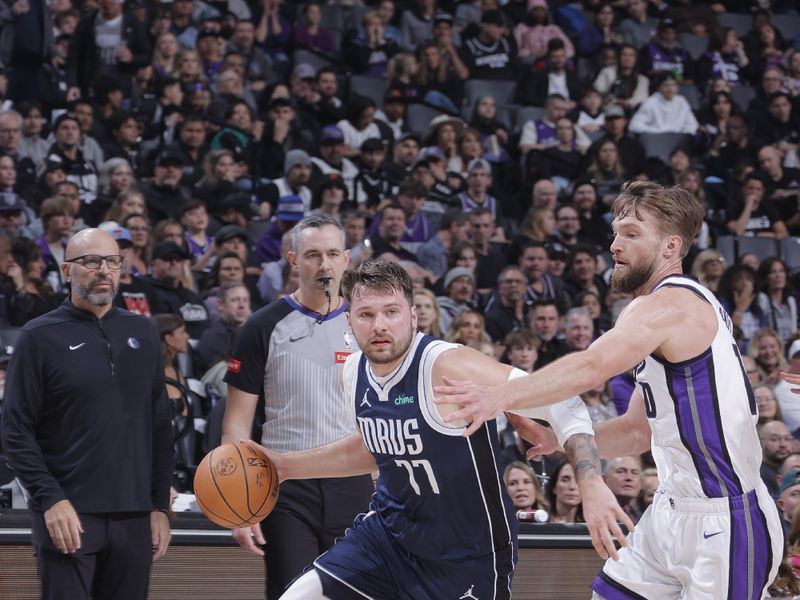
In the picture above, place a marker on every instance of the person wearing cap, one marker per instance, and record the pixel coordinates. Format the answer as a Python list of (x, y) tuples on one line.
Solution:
[(330, 199), (789, 497), (444, 133), (170, 296), (133, 293), (533, 33), (479, 180), (331, 162), (303, 93), (106, 40), (209, 47), (14, 217), (164, 193), (664, 54), (631, 151), (459, 289), (404, 154), (289, 212), (372, 185), (393, 110), (448, 40), (296, 175), (666, 111), (66, 151), (491, 55)]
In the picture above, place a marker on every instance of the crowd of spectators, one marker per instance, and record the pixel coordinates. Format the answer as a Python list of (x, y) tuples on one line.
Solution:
[(478, 143)]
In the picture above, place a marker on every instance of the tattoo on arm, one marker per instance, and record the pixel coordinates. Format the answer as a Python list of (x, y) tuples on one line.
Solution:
[(583, 455)]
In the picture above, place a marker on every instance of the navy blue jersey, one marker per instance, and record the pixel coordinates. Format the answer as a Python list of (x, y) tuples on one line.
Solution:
[(440, 495)]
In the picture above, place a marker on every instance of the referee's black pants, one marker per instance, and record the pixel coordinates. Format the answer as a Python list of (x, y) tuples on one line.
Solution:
[(309, 516), (113, 561)]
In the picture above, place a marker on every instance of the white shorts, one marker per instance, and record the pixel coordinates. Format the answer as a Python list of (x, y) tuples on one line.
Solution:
[(698, 549)]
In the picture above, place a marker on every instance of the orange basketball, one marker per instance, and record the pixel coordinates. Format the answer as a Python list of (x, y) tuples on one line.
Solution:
[(236, 485)]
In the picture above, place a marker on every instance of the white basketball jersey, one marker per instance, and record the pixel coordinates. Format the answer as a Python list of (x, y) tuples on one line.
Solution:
[(702, 414)]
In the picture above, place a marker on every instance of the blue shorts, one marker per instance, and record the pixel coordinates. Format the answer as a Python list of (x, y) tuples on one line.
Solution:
[(368, 563)]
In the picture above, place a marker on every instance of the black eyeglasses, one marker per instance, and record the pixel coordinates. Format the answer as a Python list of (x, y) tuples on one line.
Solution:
[(94, 261)]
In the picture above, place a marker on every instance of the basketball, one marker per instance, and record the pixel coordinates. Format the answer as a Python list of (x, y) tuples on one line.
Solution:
[(236, 485)]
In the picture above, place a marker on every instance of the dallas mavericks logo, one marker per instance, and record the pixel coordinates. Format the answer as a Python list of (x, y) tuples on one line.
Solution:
[(133, 343)]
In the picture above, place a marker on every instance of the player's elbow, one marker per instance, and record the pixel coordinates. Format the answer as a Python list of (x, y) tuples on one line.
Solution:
[(593, 370)]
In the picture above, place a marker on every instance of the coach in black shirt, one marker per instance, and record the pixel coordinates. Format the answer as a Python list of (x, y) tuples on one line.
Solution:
[(86, 428)]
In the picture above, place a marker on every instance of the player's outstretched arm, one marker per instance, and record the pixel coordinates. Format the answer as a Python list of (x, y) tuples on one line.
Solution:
[(600, 508), (347, 457), (641, 329), (627, 434)]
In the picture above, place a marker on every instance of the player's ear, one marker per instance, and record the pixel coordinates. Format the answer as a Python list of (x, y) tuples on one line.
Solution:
[(414, 316)]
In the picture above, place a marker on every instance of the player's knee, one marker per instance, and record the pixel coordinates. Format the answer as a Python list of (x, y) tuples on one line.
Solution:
[(306, 587)]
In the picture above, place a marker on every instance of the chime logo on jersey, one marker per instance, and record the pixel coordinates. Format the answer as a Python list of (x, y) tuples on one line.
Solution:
[(396, 437)]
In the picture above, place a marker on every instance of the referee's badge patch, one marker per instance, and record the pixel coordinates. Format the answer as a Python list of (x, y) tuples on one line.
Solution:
[(234, 366)]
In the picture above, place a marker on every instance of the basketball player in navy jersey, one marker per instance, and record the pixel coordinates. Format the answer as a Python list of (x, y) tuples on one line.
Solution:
[(440, 524), (712, 531)]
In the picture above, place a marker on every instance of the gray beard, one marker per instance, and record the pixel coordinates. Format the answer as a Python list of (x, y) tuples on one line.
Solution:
[(101, 299)]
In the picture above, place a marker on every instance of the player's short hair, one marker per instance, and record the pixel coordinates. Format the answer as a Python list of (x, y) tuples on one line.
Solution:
[(677, 212), (380, 276)]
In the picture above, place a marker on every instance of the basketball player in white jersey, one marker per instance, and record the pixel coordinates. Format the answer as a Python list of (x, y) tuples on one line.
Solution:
[(712, 532)]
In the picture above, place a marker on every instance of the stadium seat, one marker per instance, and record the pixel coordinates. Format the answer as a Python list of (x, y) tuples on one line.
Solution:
[(732, 247), (790, 253), (696, 45), (528, 113), (742, 95), (788, 25), (740, 23), (318, 61), (503, 92), (689, 91), (660, 145), (371, 87), (419, 116)]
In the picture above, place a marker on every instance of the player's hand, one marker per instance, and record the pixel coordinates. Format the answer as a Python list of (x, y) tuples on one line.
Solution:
[(542, 439), (603, 515), (275, 458), (250, 538), (64, 526), (791, 379), (159, 533), (477, 403)]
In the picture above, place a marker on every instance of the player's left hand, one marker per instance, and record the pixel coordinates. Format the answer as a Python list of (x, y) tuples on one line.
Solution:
[(159, 533), (477, 403), (791, 379), (543, 440), (603, 515)]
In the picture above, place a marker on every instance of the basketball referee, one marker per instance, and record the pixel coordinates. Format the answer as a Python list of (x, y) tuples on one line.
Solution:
[(293, 351)]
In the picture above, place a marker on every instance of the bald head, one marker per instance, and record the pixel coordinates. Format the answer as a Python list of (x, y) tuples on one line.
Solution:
[(92, 288), (776, 442)]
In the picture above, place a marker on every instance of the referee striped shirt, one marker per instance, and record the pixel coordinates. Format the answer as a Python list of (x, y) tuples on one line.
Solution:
[(296, 360)]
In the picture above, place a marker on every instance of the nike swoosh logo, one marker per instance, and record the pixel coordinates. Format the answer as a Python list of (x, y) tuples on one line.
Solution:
[(78, 346), (709, 535), (296, 339)]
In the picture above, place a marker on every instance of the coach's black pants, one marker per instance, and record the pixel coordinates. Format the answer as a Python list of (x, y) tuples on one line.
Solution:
[(309, 516), (113, 561)]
